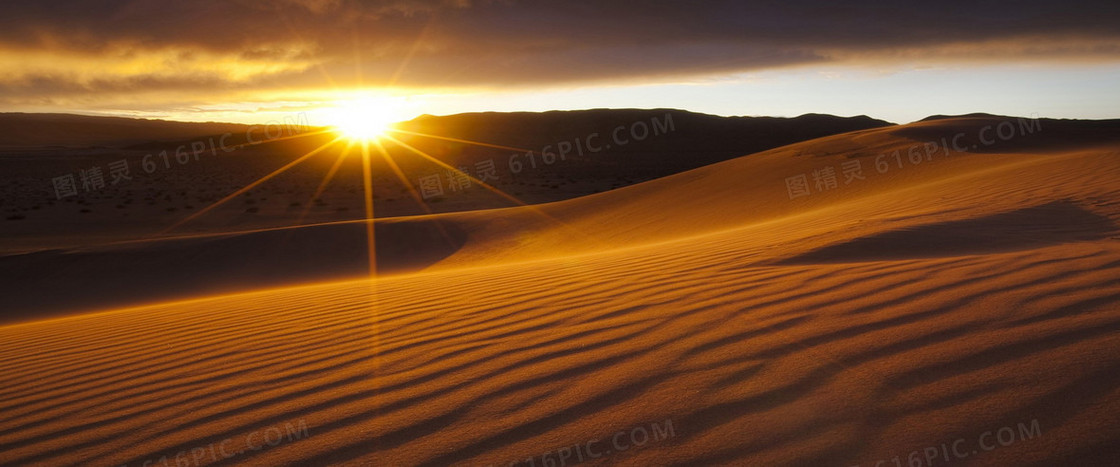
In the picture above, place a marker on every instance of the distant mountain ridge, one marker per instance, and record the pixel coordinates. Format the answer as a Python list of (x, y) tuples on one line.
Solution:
[(70, 130), (686, 140)]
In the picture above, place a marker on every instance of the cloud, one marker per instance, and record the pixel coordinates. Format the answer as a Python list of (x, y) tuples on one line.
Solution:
[(69, 49)]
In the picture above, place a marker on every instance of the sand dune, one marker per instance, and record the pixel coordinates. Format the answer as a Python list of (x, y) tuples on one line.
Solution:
[(203, 264), (896, 314)]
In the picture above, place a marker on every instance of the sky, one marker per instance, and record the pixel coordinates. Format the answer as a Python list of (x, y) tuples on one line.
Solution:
[(254, 60)]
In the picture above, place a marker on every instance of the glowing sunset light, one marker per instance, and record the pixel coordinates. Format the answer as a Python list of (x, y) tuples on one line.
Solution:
[(363, 118), (533, 233)]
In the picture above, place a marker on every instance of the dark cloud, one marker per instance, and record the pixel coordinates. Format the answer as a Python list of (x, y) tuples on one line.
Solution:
[(504, 43)]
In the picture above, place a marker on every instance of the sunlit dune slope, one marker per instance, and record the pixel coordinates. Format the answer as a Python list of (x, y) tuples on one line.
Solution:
[(892, 315), (893, 193)]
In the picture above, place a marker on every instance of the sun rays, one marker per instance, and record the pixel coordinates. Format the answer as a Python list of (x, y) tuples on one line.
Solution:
[(368, 136)]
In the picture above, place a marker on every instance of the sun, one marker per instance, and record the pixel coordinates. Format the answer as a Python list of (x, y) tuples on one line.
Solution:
[(363, 119)]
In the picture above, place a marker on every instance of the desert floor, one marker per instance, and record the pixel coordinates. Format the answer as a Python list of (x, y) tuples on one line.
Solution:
[(955, 308)]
